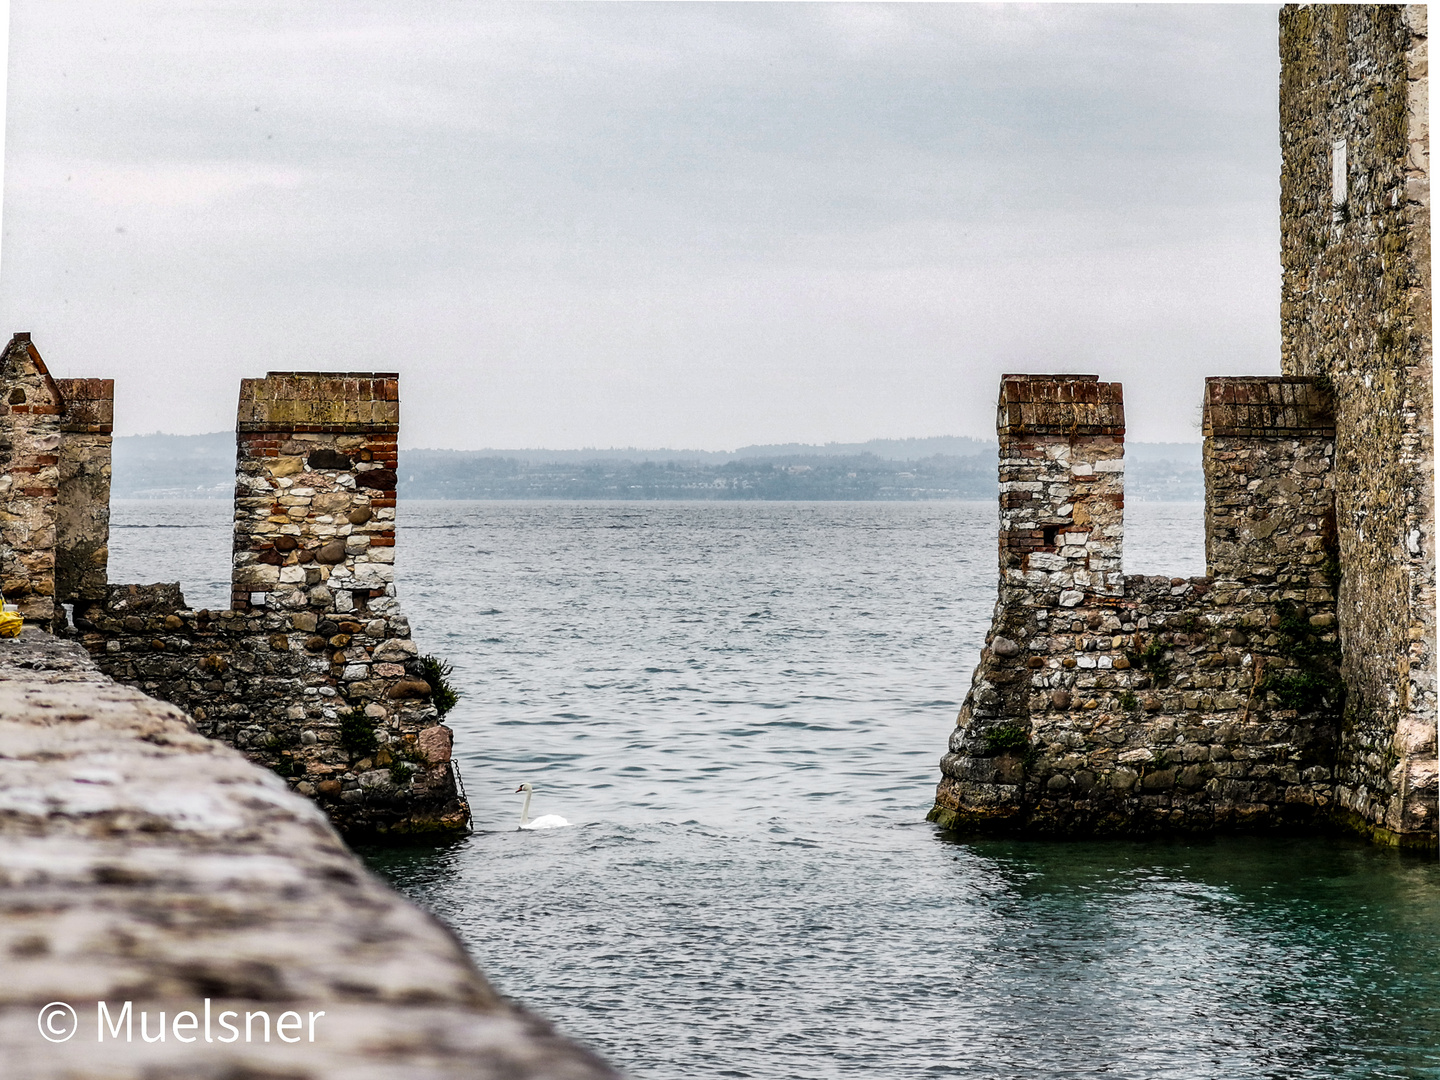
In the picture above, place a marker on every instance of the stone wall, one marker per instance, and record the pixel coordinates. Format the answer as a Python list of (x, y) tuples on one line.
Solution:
[(54, 465), (315, 494), (142, 863), (1127, 705), (1355, 312), (312, 672), (372, 753), (82, 551)]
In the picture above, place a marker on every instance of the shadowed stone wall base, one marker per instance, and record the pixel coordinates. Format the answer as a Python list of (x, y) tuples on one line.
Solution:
[(272, 683)]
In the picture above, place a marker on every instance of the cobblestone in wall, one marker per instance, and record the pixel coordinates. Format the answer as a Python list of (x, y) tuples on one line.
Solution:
[(141, 862), (1355, 311), (1136, 705)]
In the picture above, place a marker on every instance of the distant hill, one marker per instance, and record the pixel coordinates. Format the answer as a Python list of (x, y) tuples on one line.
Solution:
[(202, 467)]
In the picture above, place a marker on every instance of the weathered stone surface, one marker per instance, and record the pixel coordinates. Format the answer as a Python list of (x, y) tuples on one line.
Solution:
[(54, 484), (1003, 646), (1114, 683), (331, 553), (142, 862), (435, 743), (1356, 312), (1166, 704)]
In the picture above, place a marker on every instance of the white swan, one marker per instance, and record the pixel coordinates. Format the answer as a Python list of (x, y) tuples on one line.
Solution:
[(548, 821)]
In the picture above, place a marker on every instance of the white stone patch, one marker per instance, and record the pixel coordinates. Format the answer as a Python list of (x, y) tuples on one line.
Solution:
[(1071, 598), (1044, 560)]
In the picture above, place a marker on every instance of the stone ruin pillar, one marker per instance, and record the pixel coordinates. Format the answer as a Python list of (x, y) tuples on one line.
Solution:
[(320, 679), (1269, 498), (1062, 499), (54, 484), (1062, 505), (82, 551), (315, 493)]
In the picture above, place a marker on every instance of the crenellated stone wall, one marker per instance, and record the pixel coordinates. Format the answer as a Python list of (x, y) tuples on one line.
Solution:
[(1129, 705), (312, 671), (1296, 682), (1356, 313)]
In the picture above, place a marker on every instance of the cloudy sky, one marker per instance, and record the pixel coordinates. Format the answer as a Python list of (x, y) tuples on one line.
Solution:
[(657, 224)]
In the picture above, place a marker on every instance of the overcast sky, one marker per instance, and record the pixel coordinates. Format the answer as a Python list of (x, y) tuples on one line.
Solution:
[(684, 225)]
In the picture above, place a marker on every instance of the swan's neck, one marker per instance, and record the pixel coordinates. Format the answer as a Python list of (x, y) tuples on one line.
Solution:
[(525, 810)]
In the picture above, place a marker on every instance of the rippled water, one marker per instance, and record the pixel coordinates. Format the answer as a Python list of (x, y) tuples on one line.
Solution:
[(741, 707)]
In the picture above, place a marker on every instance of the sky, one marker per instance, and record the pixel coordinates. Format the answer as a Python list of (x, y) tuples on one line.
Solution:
[(651, 225)]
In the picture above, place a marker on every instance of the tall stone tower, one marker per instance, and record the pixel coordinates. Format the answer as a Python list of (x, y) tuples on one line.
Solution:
[(1355, 312)]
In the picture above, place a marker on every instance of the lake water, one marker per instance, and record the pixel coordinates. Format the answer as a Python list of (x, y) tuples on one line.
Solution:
[(741, 706)]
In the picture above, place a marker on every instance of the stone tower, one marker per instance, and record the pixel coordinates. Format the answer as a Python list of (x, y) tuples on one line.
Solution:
[(1295, 683), (1355, 312)]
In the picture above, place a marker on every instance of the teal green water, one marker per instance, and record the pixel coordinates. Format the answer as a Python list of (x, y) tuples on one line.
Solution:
[(742, 707), (880, 949)]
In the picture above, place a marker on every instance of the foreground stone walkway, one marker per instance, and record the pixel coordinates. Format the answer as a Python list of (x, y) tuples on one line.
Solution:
[(143, 863)]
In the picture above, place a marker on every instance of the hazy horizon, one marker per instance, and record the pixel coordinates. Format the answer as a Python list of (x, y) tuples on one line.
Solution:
[(666, 449)]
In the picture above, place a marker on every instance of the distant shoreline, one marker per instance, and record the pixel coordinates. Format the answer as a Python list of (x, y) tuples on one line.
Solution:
[(882, 470)]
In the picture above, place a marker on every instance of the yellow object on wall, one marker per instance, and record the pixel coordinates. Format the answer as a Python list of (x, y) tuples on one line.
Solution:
[(10, 624)]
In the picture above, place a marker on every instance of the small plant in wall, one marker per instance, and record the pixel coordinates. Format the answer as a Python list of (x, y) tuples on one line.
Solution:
[(1313, 680), (437, 673), (286, 766), (400, 772), (1006, 737), (1151, 658), (357, 733), (1012, 739)]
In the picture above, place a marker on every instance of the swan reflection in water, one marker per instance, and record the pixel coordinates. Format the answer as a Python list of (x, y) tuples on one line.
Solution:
[(547, 821)]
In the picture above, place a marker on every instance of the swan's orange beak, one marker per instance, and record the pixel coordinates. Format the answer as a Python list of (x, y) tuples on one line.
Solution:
[(519, 789)]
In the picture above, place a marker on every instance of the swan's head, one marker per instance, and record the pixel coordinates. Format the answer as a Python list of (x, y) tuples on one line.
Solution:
[(524, 787)]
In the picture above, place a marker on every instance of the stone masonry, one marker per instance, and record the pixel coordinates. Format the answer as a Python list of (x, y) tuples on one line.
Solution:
[(1295, 684), (1355, 312), (312, 671), (54, 485), (1106, 704), (315, 495), (143, 863)]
